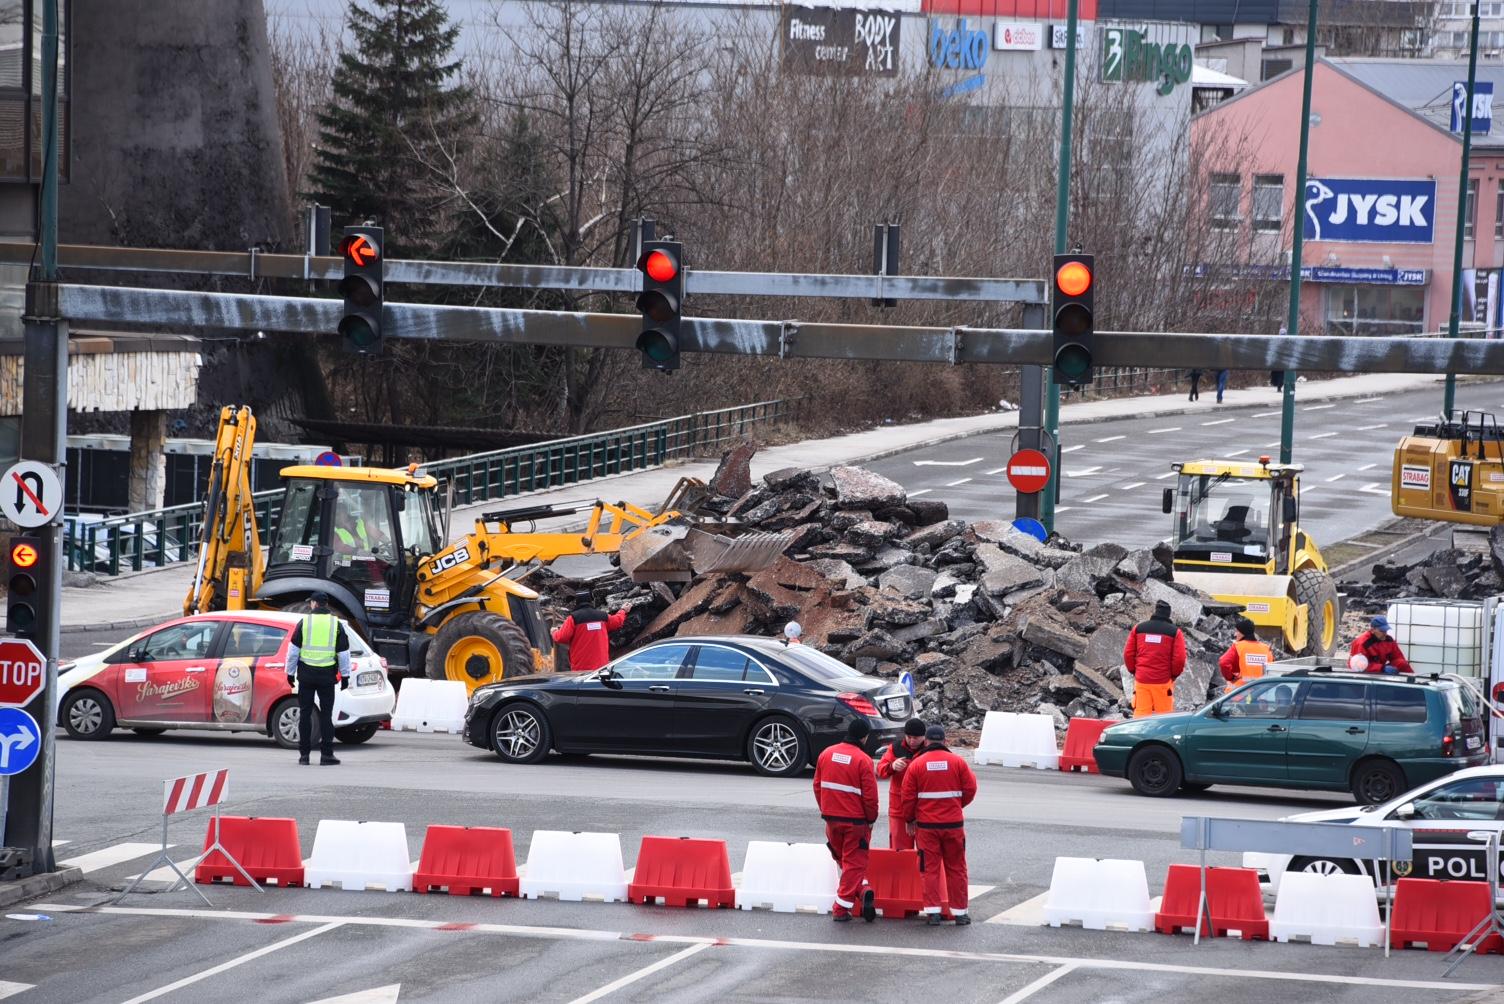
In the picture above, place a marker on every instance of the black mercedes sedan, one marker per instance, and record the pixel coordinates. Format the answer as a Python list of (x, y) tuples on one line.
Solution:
[(776, 706)]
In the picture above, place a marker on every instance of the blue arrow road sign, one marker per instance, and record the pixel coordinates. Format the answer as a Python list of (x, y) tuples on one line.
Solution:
[(906, 679), (20, 741)]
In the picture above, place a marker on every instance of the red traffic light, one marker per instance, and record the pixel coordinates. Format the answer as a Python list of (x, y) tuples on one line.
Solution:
[(660, 266), (1073, 278), (23, 554), (359, 249)]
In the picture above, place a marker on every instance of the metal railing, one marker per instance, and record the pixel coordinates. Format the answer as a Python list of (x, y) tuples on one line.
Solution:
[(1136, 379), (137, 541)]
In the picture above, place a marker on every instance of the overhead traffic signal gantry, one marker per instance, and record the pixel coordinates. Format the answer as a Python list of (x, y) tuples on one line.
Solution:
[(1073, 293), (363, 288), (661, 302), (23, 578)]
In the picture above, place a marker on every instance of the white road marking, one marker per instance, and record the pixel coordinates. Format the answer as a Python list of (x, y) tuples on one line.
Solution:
[(1370, 428), (1372, 488), (840, 948), (963, 481), (977, 891), (947, 463), (376, 995), (1318, 407), (1367, 400), (1323, 435), (1335, 477), (1166, 474), (1110, 439), (1155, 432), (1270, 446), (1239, 453), (1308, 489), (1133, 484), (1029, 913), (630, 978), (1266, 414), (1073, 449), (1094, 498), (8, 989), (1084, 472), (1063, 508), (998, 470), (238, 960), (1024, 993), (60, 843), (1220, 421), (113, 855), (922, 491), (1367, 467)]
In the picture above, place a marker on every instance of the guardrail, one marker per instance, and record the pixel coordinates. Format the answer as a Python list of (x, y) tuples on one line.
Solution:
[(137, 541)]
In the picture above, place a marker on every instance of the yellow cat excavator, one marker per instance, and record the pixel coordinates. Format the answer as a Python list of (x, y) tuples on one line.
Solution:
[(375, 541), (1451, 470)]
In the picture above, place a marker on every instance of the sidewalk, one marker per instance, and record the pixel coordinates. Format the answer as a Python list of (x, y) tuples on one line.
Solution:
[(136, 600)]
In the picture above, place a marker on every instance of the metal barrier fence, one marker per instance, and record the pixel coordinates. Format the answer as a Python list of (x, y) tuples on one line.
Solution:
[(165, 536)]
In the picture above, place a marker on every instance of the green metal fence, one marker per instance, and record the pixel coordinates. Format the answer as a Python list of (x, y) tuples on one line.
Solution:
[(142, 540)]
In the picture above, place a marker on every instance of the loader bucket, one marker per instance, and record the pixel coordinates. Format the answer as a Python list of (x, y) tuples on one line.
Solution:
[(679, 552)]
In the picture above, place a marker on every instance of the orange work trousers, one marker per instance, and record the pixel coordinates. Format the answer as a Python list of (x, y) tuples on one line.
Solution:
[(1152, 699)]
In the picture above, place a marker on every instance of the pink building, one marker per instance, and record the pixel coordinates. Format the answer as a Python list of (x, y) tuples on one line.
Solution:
[(1380, 208)]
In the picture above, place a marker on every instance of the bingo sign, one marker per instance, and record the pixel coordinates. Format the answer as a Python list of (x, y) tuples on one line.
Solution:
[(1028, 471), (1370, 210)]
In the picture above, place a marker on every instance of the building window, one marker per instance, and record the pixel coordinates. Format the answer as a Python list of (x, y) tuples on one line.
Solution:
[(1268, 202), (1375, 310), (1226, 193), (1470, 216), (1499, 213), (21, 90)]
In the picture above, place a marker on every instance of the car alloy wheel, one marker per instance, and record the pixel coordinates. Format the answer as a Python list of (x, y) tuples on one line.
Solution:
[(1324, 866), (517, 734), (288, 726), (85, 715), (775, 746)]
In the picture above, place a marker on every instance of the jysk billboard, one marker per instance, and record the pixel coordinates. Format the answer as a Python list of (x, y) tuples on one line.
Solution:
[(828, 42), (1370, 210), (1483, 106)]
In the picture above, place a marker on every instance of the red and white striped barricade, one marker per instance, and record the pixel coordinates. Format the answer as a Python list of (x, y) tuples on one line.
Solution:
[(187, 794)]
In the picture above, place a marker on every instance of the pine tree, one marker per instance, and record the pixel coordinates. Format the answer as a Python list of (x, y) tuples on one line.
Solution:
[(395, 123)]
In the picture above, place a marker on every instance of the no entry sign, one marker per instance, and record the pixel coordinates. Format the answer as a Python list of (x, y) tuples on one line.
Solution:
[(1028, 471), (23, 672)]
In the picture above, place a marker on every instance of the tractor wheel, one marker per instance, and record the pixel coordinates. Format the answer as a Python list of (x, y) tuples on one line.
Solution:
[(479, 648), (1316, 591)]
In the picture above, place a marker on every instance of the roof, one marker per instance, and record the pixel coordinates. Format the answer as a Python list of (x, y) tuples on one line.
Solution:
[(1205, 76), (1423, 86), (369, 475)]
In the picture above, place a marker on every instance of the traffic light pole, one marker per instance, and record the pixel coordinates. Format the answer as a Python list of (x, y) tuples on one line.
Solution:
[(44, 419), (1297, 243), (1062, 225), (1031, 434)]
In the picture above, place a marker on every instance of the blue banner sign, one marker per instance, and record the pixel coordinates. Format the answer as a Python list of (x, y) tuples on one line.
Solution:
[(1370, 210), (1483, 106)]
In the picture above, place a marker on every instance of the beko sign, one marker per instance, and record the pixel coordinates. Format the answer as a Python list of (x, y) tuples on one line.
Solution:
[(1370, 210)]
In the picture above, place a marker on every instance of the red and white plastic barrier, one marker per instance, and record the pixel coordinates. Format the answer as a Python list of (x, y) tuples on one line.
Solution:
[(195, 791)]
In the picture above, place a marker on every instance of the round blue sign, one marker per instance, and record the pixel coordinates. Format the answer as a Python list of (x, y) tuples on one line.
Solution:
[(20, 741), (329, 459), (1033, 528), (907, 680)]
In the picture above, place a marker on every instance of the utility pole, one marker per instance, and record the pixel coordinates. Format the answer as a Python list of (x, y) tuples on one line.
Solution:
[(1298, 236), (1062, 224), (1449, 395), (44, 418)]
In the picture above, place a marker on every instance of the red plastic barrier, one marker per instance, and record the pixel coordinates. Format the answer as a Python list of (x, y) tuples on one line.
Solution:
[(1232, 896), (682, 871), (466, 860), (896, 883), (1439, 914), (1080, 738), (267, 849)]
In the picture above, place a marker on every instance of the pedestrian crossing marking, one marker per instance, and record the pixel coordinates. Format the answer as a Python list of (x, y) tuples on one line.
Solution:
[(113, 855), (9, 989)]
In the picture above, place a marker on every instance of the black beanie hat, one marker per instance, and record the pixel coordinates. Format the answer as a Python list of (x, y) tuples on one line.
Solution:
[(1162, 610), (1246, 627), (857, 730), (914, 727), (935, 733)]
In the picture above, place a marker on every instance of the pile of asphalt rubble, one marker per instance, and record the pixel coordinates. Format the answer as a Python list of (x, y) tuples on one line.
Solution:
[(1449, 574), (984, 616)]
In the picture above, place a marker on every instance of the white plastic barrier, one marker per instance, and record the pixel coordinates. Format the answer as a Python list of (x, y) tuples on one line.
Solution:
[(1327, 909), (786, 878), (575, 867), (1099, 894), (1014, 740), (431, 705), (360, 855)]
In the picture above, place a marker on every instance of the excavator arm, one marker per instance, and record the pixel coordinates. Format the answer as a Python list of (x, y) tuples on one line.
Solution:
[(229, 552)]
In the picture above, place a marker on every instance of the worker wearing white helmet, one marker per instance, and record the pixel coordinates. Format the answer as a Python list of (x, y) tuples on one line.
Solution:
[(792, 632)]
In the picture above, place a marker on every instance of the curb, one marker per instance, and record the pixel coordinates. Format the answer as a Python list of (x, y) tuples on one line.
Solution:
[(129, 625), (44, 884)]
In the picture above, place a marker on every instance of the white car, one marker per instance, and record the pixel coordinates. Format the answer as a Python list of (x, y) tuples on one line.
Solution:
[(1447, 817), (224, 672)]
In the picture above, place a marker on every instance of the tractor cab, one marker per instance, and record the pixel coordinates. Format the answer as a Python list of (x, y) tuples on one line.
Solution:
[(356, 533)]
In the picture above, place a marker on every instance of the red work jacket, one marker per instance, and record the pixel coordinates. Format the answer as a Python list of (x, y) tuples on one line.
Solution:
[(937, 786), (587, 632), (845, 786)]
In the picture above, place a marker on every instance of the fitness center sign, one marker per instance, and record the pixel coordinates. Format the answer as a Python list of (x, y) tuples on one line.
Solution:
[(829, 42), (1129, 55)]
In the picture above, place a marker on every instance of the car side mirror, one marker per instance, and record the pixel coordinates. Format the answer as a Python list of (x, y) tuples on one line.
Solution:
[(1167, 500), (1292, 509), (609, 678), (1406, 811)]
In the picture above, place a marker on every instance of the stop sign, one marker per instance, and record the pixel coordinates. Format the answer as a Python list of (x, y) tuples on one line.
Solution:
[(23, 672), (1028, 471)]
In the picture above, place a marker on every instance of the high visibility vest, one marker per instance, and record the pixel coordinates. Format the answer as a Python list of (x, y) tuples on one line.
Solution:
[(320, 636), (348, 539), (1253, 656)]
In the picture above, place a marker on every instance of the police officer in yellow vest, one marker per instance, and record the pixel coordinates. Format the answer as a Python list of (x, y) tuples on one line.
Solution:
[(1246, 658), (318, 655)]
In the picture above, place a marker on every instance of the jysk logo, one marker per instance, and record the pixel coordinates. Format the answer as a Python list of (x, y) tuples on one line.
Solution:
[(960, 48), (1483, 106), (1370, 210), (1129, 55)]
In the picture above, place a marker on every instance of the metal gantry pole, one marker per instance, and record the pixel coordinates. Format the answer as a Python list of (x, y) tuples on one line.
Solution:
[(1297, 243), (1449, 394), (1062, 226)]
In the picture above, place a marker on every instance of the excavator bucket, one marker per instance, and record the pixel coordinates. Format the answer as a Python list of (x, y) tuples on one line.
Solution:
[(677, 552)]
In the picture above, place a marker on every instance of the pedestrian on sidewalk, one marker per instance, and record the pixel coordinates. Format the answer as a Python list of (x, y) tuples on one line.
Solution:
[(587, 632), (1221, 384), (318, 657), (1195, 376), (846, 792), (895, 760), (1155, 655), (937, 787)]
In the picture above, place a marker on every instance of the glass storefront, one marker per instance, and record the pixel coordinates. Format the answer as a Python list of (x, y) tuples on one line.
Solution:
[(1375, 310)]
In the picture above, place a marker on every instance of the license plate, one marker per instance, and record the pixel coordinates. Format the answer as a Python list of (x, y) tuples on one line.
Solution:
[(895, 706), (369, 678), (1474, 742)]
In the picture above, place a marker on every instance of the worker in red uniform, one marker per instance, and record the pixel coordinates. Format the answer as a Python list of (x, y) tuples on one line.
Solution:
[(587, 632), (1246, 657), (846, 792), (1380, 649), (895, 760), (1155, 655), (937, 786)]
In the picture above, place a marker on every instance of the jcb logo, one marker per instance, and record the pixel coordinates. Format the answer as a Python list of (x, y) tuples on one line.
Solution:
[(444, 562)]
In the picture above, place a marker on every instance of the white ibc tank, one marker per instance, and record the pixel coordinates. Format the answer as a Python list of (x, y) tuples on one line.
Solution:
[(1440, 637)]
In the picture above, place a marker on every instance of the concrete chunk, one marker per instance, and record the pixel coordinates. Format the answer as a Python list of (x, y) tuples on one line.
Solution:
[(859, 487)]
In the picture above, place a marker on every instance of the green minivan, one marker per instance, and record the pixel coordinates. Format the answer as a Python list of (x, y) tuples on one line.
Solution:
[(1374, 735)]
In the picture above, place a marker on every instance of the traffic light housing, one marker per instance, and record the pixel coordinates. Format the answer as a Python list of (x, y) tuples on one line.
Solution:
[(661, 302), (1074, 287), (363, 253), (23, 583)]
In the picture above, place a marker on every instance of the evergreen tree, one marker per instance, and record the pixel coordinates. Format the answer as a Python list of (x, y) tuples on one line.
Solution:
[(397, 122)]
